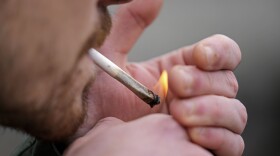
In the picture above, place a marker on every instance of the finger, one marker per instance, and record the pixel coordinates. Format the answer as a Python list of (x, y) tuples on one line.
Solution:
[(128, 24), (214, 53), (188, 81), (221, 141), (210, 110), (217, 52)]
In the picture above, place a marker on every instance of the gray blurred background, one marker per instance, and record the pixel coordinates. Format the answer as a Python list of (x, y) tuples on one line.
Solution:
[(254, 25)]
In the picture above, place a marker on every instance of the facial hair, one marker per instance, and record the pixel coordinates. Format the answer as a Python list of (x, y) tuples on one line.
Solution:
[(102, 30)]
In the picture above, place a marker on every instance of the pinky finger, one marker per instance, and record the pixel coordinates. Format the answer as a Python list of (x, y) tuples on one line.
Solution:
[(219, 140)]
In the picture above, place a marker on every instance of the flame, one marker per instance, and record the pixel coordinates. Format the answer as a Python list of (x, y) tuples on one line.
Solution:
[(161, 86)]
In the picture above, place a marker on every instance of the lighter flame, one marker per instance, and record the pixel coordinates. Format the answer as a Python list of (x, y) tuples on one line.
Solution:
[(162, 85)]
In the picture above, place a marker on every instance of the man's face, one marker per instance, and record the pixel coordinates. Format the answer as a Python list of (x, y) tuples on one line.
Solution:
[(43, 50)]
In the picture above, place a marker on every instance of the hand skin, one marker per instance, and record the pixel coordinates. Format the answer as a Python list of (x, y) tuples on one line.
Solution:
[(157, 135), (204, 102), (65, 78), (201, 77)]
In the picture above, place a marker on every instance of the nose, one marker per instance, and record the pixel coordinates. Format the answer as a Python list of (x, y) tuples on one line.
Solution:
[(111, 2)]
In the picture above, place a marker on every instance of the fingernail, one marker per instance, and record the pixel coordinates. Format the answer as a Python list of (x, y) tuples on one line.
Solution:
[(196, 133), (187, 81), (211, 56)]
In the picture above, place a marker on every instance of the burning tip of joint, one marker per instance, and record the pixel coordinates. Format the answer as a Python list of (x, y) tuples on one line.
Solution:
[(156, 101)]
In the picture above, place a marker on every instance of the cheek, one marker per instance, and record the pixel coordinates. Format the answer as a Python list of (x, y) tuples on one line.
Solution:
[(66, 62), (75, 86), (68, 38)]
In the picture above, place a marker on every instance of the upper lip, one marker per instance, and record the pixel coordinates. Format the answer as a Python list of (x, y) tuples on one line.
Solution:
[(111, 2)]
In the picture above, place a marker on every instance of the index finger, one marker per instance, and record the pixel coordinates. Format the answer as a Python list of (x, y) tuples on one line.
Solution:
[(214, 53)]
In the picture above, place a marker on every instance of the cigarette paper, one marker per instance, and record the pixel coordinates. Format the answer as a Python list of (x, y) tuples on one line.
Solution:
[(116, 72)]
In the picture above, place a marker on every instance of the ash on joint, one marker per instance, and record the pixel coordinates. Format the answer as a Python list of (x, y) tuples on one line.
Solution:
[(156, 101)]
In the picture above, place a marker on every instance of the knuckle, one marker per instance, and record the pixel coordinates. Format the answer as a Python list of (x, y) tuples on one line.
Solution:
[(237, 51), (232, 82), (199, 109), (211, 108), (141, 21), (243, 114), (221, 141), (241, 146), (216, 111)]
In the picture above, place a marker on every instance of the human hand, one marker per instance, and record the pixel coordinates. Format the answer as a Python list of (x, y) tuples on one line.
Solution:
[(157, 135), (213, 82), (114, 99), (207, 90), (203, 96)]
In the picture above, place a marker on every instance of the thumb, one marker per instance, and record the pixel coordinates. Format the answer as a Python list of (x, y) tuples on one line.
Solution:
[(128, 24), (211, 54)]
